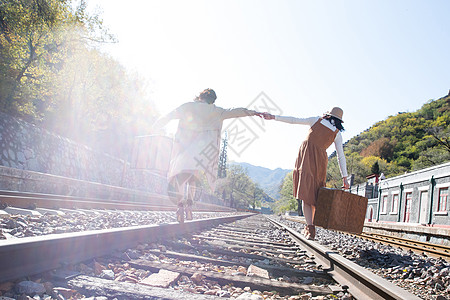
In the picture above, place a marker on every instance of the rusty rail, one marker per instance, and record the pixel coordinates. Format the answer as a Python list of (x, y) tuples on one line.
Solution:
[(33, 255)]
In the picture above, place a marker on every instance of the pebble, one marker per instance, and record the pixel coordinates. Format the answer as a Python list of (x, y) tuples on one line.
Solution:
[(426, 277), (17, 226), (30, 288), (249, 296), (107, 274)]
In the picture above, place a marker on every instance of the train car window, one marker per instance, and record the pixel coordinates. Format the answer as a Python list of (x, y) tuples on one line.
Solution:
[(384, 204), (394, 206), (442, 201)]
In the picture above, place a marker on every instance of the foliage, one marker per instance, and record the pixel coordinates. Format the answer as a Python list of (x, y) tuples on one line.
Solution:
[(402, 143), (287, 201), (238, 190), (52, 75)]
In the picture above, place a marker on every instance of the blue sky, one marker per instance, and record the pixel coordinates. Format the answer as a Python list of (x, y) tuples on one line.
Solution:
[(371, 58)]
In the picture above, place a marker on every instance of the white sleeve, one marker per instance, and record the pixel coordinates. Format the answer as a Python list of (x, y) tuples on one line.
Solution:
[(237, 113), (292, 120), (162, 121), (340, 154)]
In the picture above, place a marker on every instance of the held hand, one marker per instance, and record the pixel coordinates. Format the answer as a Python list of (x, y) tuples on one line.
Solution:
[(345, 183), (266, 116)]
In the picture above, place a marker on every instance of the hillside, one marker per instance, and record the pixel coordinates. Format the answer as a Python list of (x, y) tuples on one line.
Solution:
[(402, 143), (269, 180)]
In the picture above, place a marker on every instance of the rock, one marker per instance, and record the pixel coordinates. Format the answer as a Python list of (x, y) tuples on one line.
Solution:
[(197, 278), (6, 286), (107, 274), (163, 278), (65, 292), (256, 271), (238, 274), (308, 280), (306, 296), (48, 287), (133, 254), (30, 288), (211, 292), (200, 289), (249, 296), (444, 272), (98, 268), (224, 294)]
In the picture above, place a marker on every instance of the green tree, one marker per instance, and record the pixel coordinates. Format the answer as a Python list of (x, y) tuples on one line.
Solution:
[(238, 186), (375, 168), (100, 103), (52, 75), (401, 143), (34, 36), (257, 196), (287, 202)]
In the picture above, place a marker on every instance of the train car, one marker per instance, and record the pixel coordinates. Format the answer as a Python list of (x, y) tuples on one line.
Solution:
[(419, 197)]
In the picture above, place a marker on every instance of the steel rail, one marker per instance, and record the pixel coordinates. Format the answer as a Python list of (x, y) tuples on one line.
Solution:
[(52, 201), (438, 250), (33, 255), (362, 284)]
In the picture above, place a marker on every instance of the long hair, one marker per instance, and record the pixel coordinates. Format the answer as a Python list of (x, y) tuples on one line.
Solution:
[(335, 121)]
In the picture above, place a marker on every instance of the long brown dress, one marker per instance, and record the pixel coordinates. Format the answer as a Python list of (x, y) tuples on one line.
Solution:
[(311, 166)]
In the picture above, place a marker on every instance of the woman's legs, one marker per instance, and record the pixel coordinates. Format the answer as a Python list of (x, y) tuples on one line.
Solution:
[(308, 212), (191, 190), (184, 186), (178, 187)]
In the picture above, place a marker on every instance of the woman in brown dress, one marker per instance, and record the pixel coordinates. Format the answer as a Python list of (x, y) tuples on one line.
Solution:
[(310, 170)]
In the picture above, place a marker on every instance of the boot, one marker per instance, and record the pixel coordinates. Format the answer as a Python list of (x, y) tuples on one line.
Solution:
[(188, 209), (312, 232), (305, 231), (180, 213)]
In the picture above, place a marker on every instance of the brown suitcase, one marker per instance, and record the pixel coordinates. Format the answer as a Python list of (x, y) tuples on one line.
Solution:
[(152, 152), (340, 210)]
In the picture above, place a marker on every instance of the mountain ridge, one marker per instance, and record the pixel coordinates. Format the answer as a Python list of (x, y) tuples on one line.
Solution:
[(269, 180)]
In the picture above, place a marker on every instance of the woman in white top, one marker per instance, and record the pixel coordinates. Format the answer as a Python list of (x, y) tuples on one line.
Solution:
[(310, 170), (197, 144)]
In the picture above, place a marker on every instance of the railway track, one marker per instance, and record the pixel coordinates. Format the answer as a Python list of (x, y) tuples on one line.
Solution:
[(33, 201), (435, 250), (225, 257), (440, 251)]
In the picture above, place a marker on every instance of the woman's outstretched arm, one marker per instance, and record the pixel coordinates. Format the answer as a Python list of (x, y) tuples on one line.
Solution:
[(290, 120), (341, 160), (238, 113), (162, 121), (294, 120)]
